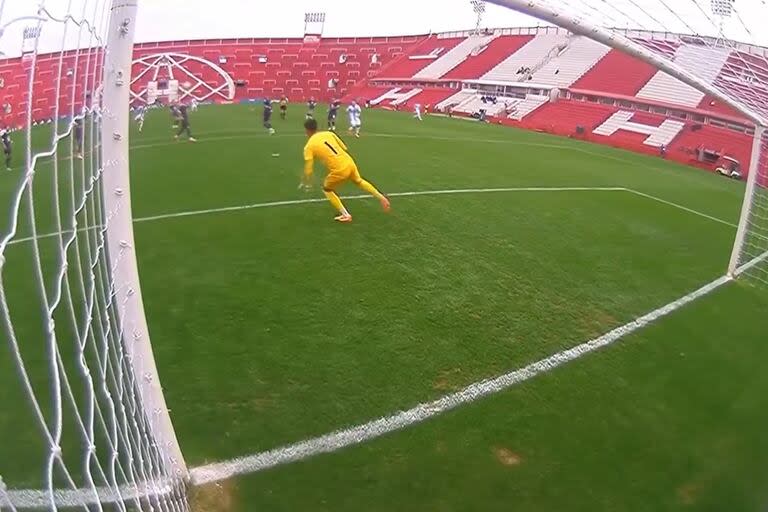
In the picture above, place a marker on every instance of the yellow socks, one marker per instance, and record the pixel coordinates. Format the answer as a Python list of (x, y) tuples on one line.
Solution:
[(370, 189), (333, 197)]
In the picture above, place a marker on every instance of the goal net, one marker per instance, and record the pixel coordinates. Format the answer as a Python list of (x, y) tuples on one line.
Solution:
[(712, 56), (83, 420)]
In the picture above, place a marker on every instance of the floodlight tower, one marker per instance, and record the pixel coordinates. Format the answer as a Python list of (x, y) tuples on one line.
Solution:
[(314, 24), (478, 6), (722, 10)]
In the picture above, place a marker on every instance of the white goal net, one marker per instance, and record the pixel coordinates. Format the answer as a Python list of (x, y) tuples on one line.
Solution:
[(714, 57), (83, 421)]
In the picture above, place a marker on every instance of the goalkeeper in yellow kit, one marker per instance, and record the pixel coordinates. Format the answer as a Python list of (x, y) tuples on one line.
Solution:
[(332, 152)]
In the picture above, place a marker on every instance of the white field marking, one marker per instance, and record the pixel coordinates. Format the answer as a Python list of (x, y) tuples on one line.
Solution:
[(365, 432), (291, 202), (75, 498), (379, 427), (396, 194), (751, 264), (681, 207)]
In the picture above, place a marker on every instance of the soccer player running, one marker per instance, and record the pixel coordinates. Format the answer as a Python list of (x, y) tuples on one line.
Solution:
[(333, 112), (77, 129), (311, 104), (141, 112), (283, 107), (355, 122), (332, 152), (417, 112), (5, 137), (184, 124), (268, 116), (175, 115)]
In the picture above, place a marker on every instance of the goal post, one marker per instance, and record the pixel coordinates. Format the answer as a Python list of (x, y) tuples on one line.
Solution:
[(121, 246), (750, 249), (90, 428), (745, 89)]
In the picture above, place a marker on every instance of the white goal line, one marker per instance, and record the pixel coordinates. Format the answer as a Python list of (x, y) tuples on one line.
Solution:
[(402, 419), (339, 439)]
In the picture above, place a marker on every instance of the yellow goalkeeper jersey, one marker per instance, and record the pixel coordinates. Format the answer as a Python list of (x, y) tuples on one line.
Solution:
[(330, 150)]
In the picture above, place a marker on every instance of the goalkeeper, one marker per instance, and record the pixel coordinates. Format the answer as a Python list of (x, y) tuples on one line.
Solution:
[(332, 152)]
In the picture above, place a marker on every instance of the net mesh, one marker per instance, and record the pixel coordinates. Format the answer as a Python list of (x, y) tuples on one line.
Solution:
[(76, 429), (752, 252), (722, 43)]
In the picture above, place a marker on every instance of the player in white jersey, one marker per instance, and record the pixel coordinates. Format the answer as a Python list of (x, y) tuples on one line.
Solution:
[(355, 118), (417, 111), (141, 111), (193, 105)]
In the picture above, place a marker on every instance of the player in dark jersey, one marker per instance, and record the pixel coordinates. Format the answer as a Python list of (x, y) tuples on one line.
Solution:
[(184, 123), (333, 111), (5, 137), (175, 115), (283, 107), (77, 133), (311, 104), (268, 116)]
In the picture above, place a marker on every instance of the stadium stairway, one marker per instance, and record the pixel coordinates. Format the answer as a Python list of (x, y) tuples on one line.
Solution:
[(475, 66), (420, 56), (454, 57), (529, 104), (528, 56), (581, 55), (456, 99), (475, 103)]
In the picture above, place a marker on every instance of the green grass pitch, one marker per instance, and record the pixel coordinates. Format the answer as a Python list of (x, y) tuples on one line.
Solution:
[(271, 325)]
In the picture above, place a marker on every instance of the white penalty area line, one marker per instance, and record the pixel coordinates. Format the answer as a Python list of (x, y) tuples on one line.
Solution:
[(293, 202), (361, 433), (395, 194)]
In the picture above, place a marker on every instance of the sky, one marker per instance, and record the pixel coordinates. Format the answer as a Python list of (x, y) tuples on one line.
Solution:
[(163, 20)]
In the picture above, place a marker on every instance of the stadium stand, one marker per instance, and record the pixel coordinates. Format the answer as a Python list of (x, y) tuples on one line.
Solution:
[(617, 72), (454, 57), (602, 92), (537, 51), (423, 54), (475, 66), (571, 64), (662, 87)]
